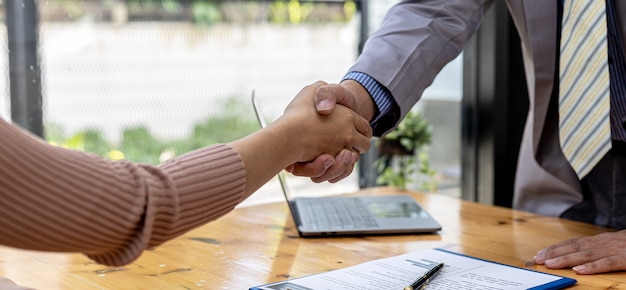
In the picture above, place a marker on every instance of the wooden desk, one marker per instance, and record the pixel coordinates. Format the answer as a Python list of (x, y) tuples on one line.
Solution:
[(259, 244)]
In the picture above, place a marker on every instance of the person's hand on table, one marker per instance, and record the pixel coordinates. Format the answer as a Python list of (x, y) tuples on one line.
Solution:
[(327, 97), (601, 253)]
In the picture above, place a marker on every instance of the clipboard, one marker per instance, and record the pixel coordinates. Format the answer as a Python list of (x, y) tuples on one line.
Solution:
[(460, 271)]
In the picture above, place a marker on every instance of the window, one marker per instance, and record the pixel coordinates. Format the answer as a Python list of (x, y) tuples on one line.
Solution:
[(441, 106), (146, 80)]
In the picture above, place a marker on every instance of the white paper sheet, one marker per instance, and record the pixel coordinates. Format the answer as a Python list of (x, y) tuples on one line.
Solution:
[(459, 272)]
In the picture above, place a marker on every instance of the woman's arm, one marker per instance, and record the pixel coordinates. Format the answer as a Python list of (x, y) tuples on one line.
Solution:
[(55, 199)]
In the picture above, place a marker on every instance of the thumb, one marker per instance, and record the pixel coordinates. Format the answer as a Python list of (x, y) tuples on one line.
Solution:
[(327, 96)]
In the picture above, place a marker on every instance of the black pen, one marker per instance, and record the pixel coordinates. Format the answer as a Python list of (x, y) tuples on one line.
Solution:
[(423, 280)]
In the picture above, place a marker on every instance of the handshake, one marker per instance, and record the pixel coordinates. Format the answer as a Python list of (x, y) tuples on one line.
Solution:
[(330, 125)]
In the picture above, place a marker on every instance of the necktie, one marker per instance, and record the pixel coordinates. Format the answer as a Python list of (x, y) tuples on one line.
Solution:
[(584, 100)]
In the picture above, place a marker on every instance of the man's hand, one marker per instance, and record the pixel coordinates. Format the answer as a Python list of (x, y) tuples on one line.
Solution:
[(349, 93), (326, 167), (601, 253)]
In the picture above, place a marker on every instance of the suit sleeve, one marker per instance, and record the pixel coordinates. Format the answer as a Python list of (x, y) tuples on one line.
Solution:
[(415, 41)]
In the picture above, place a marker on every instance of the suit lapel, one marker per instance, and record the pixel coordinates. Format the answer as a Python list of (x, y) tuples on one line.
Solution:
[(536, 24)]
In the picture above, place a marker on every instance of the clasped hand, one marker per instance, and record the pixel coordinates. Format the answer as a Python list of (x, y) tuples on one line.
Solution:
[(333, 100), (342, 133)]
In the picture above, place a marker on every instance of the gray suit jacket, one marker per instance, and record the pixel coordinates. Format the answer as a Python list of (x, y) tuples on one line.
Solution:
[(417, 38)]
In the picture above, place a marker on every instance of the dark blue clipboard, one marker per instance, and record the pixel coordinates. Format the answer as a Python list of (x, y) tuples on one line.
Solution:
[(560, 283), (554, 285)]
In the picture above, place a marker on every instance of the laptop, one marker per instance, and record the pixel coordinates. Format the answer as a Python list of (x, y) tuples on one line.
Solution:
[(353, 215)]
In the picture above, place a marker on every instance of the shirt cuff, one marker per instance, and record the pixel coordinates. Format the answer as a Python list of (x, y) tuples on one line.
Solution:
[(381, 96)]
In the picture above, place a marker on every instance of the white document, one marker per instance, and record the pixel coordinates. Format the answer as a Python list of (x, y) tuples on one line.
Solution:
[(394, 273)]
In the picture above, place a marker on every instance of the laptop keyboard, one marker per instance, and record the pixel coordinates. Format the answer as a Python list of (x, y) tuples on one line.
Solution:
[(337, 213)]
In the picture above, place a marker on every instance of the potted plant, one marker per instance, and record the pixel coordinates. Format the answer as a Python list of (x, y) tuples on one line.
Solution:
[(403, 154)]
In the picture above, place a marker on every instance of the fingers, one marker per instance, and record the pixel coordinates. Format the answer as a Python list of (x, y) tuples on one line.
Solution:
[(340, 168), (315, 168), (344, 164), (590, 261), (347, 171), (572, 246), (557, 250), (305, 96), (363, 126), (362, 143), (608, 264), (589, 255), (327, 96)]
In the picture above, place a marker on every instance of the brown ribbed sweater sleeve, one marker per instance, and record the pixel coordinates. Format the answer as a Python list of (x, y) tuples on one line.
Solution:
[(55, 199)]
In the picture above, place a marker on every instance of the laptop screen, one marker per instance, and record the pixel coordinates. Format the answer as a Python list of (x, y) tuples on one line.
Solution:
[(263, 123)]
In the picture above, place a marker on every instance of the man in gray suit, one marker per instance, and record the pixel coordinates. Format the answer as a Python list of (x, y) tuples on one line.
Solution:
[(417, 38)]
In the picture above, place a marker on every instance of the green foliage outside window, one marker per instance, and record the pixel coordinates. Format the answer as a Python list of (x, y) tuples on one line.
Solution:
[(138, 144), (205, 12), (403, 155), (200, 12)]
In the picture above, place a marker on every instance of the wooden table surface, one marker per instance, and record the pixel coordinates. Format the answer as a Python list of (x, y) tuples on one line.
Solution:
[(259, 244)]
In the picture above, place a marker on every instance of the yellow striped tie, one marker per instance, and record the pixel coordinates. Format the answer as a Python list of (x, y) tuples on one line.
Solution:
[(584, 96)]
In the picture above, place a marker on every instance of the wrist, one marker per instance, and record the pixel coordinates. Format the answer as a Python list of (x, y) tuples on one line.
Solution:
[(294, 149)]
